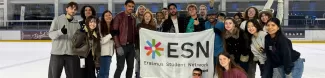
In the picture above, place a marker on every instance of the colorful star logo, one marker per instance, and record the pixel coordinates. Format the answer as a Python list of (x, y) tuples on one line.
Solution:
[(153, 48)]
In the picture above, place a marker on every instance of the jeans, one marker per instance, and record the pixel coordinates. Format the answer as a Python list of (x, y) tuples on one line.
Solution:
[(129, 53), (296, 72), (105, 62)]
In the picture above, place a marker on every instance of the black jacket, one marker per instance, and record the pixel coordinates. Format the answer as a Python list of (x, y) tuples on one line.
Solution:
[(238, 46), (197, 28), (168, 25), (279, 52)]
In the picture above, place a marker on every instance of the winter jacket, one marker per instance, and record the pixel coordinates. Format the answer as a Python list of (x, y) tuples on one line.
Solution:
[(168, 25), (237, 46), (107, 45), (61, 43), (121, 28), (82, 45), (146, 26)]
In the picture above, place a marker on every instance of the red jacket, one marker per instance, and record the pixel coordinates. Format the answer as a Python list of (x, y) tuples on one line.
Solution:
[(121, 29)]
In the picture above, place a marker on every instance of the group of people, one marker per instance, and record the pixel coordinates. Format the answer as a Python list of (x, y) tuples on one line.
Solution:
[(85, 48)]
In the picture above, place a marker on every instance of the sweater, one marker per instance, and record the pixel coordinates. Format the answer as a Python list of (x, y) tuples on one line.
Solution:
[(234, 73), (257, 44), (61, 43)]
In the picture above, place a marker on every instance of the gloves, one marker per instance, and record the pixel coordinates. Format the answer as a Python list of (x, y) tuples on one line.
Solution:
[(120, 51), (64, 30), (289, 75)]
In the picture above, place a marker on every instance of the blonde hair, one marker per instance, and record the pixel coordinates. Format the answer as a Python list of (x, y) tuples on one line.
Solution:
[(191, 6), (137, 12), (204, 6)]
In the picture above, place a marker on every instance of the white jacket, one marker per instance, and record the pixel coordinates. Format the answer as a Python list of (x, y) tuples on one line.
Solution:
[(107, 45)]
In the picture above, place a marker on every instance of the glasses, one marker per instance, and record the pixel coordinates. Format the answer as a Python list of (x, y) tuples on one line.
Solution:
[(196, 74)]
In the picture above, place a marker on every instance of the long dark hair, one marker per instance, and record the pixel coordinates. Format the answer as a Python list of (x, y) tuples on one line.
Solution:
[(232, 65), (83, 9), (104, 29), (258, 27), (90, 33), (246, 13)]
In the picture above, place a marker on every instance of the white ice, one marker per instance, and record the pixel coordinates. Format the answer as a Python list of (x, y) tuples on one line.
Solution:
[(31, 60)]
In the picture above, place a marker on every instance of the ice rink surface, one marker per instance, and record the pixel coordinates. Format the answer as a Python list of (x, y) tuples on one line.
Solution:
[(31, 60)]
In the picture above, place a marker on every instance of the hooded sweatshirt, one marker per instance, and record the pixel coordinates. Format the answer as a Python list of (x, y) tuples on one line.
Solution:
[(279, 51), (61, 43)]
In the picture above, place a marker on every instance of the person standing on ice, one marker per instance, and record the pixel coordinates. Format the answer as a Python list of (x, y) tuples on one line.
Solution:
[(61, 32), (124, 34)]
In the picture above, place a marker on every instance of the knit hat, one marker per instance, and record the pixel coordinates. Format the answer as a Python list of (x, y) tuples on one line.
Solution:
[(276, 21)]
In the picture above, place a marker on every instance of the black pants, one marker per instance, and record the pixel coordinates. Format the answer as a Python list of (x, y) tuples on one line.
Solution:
[(89, 70), (129, 53), (70, 63)]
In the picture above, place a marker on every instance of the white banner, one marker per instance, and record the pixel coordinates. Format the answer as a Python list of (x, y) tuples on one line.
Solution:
[(171, 55), (22, 13)]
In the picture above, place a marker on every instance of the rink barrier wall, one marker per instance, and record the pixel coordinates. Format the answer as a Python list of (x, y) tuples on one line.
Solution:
[(10, 35), (310, 36)]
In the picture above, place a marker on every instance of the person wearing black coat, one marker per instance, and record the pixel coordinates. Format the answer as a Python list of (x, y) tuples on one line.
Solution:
[(173, 24), (282, 61), (237, 43)]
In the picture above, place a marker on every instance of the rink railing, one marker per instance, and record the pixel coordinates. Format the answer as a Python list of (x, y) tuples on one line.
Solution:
[(38, 30), (25, 24)]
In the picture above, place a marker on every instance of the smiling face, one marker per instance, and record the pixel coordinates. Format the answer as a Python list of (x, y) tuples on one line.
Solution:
[(224, 61), (192, 11), (88, 12), (160, 16), (272, 28), (251, 28), (92, 24), (265, 18), (251, 13), (108, 17), (147, 17), (141, 10), (212, 17), (229, 25), (129, 8)]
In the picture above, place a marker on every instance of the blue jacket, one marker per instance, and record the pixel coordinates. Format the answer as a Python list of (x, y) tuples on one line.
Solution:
[(218, 43)]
